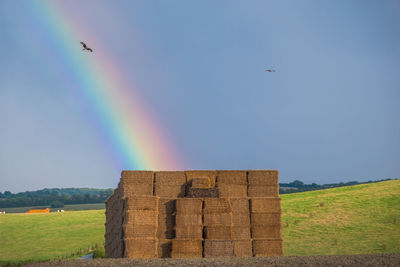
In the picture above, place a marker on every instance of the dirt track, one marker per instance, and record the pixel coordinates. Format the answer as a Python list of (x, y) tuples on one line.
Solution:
[(343, 260)]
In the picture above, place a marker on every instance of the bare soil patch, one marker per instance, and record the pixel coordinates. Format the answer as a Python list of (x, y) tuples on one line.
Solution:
[(329, 260)]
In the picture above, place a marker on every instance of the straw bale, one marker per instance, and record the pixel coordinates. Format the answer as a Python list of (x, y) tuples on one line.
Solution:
[(202, 192), (140, 231), (218, 232), (165, 232), (148, 217), (266, 218), (243, 248), (202, 182), (169, 191), (137, 177), (240, 232), (167, 219), (138, 190), (263, 191), (232, 177), (262, 231), (189, 232), (268, 247), (218, 248), (188, 219), (198, 174), (263, 177), (232, 190), (164, 248), (239, 205), (264, 204), (189, 205), (141, 203), (216, 205), (141, 248), (240, 219), (170, 178), (217, 219), (166, 205), (187, 248)]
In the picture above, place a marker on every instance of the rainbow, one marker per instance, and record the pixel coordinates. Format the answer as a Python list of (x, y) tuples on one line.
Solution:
[(128, 127)]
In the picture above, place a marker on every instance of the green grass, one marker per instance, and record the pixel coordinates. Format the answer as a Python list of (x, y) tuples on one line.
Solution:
[(94, 206), (39, 237), (360, 219)]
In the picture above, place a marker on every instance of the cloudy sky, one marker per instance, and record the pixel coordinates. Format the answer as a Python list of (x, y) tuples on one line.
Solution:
[(329, 113)]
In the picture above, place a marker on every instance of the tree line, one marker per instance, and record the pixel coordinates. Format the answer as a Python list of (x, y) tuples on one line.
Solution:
[(58, 197), (54, 197)]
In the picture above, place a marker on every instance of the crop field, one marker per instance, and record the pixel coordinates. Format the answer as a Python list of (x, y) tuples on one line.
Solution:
[(360, 219)]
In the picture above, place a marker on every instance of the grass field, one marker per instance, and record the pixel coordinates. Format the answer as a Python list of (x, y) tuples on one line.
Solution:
[(94, 206), (360, 219)]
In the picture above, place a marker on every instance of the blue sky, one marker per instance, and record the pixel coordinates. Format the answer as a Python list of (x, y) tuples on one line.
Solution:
[(329, 113)]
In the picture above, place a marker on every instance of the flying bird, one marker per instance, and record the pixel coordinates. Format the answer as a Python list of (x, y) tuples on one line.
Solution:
[(270, 70), (85, 47)]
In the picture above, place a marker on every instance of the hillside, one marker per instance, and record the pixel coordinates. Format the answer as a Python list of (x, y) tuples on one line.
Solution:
[(360, 219)]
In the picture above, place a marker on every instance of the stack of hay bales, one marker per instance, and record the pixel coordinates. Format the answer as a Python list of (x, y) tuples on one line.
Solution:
[(232, 184), (188, 229), (166, 223), (217, 216), (140, 226), (113, 242), (266, 226), (241, 227)]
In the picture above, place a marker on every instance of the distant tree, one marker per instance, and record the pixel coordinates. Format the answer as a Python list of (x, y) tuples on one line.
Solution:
[(56, 204)]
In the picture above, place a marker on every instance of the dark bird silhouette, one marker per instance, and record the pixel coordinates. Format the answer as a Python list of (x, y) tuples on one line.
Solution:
[(270, 70), (85, 47)]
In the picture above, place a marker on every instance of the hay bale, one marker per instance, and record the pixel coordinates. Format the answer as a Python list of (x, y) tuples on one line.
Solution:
[(217, 219), (262, 231), (202, 193), (263, 191), (170, 191), (218, 232), (167, 219), (202, 182), (216, 205), (262, 177), (147, 217), (139, 231), (187, 248), (240, 219), (232, 177), (239, 205), (263, 204), (243, 248), (137, 177), (137, 190), (164, 248), (218, 248), (188, 219), (141, 203), (189, 205), (266, 218), (232, 190), (194, 232), (190, 175), (170, 178), (268, 247), (241, 232), (141, 248), (166, 205)]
